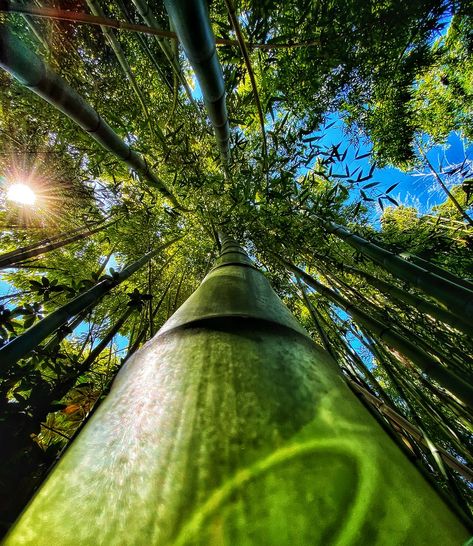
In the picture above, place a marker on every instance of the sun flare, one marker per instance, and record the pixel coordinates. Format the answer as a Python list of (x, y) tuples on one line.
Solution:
[(21, 193)]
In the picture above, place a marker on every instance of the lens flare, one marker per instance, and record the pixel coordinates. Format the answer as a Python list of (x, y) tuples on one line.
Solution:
[(21, 193)]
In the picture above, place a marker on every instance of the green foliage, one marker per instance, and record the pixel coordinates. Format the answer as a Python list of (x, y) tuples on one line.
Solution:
[(382, 65)]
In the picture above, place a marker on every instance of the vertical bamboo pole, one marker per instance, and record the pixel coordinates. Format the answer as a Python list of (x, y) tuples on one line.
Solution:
[(232, 427)]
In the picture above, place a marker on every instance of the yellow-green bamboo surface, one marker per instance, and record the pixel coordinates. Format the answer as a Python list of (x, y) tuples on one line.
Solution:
[(231, 427)]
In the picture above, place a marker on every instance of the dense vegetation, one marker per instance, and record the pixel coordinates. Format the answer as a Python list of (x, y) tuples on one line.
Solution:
[(400, 73)]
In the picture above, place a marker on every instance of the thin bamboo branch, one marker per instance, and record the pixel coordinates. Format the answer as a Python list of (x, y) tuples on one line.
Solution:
[(48, 240), (85, 18), (244, 51), (56, 431), (444, 187)]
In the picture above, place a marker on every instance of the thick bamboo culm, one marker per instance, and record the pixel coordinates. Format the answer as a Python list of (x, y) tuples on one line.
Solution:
[(192, 24), (220, 429)]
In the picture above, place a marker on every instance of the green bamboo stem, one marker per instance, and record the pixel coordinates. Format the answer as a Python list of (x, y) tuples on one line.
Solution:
[(62, 387), (126, 14), (428, 364), (63, 332), (457, 299), (133, 347), (30, 71), (192, 24), (411, 429), (460, 442), (95, 8), (458, 362), (385, 360), (48, 240), (246, 56), (228, 421), (11, 259), (418, 303), (147, 15), (36, 31), (357, 361), (316, 320), (440, 271), (22, 345)]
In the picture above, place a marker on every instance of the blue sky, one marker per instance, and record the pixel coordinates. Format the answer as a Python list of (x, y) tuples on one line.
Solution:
[(412, 190)]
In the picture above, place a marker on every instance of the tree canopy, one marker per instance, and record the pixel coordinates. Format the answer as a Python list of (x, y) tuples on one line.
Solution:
[(398, 73)]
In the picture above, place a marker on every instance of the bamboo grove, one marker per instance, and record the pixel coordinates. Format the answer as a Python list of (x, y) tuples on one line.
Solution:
[(139, 178)]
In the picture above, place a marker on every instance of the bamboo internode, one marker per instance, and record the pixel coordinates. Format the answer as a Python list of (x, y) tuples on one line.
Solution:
[(229, 423)]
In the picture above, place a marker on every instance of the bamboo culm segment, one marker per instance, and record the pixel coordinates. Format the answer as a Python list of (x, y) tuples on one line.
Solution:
[(20, 346), (223, 428), (448, 379), (458, 299), (48, 240), (440, 271), (147, 15), (30, 70), (411, 299), (20, 256), (192, 24)]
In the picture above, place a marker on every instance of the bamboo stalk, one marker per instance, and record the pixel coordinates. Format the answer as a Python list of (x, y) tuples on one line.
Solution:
[(120, 55), (66, 383), (458, 299), (228, 420), (410, 299), (84, 18), (244, 51), (30, 70), (440, 271), (411, 429), (22, 254), (46, 241), (126, 14), (22, 345), (454, 360), (430, 365), (146, 13), (192, 24)]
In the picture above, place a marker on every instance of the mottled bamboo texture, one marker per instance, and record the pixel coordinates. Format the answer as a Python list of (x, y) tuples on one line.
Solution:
[(231, 427)]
